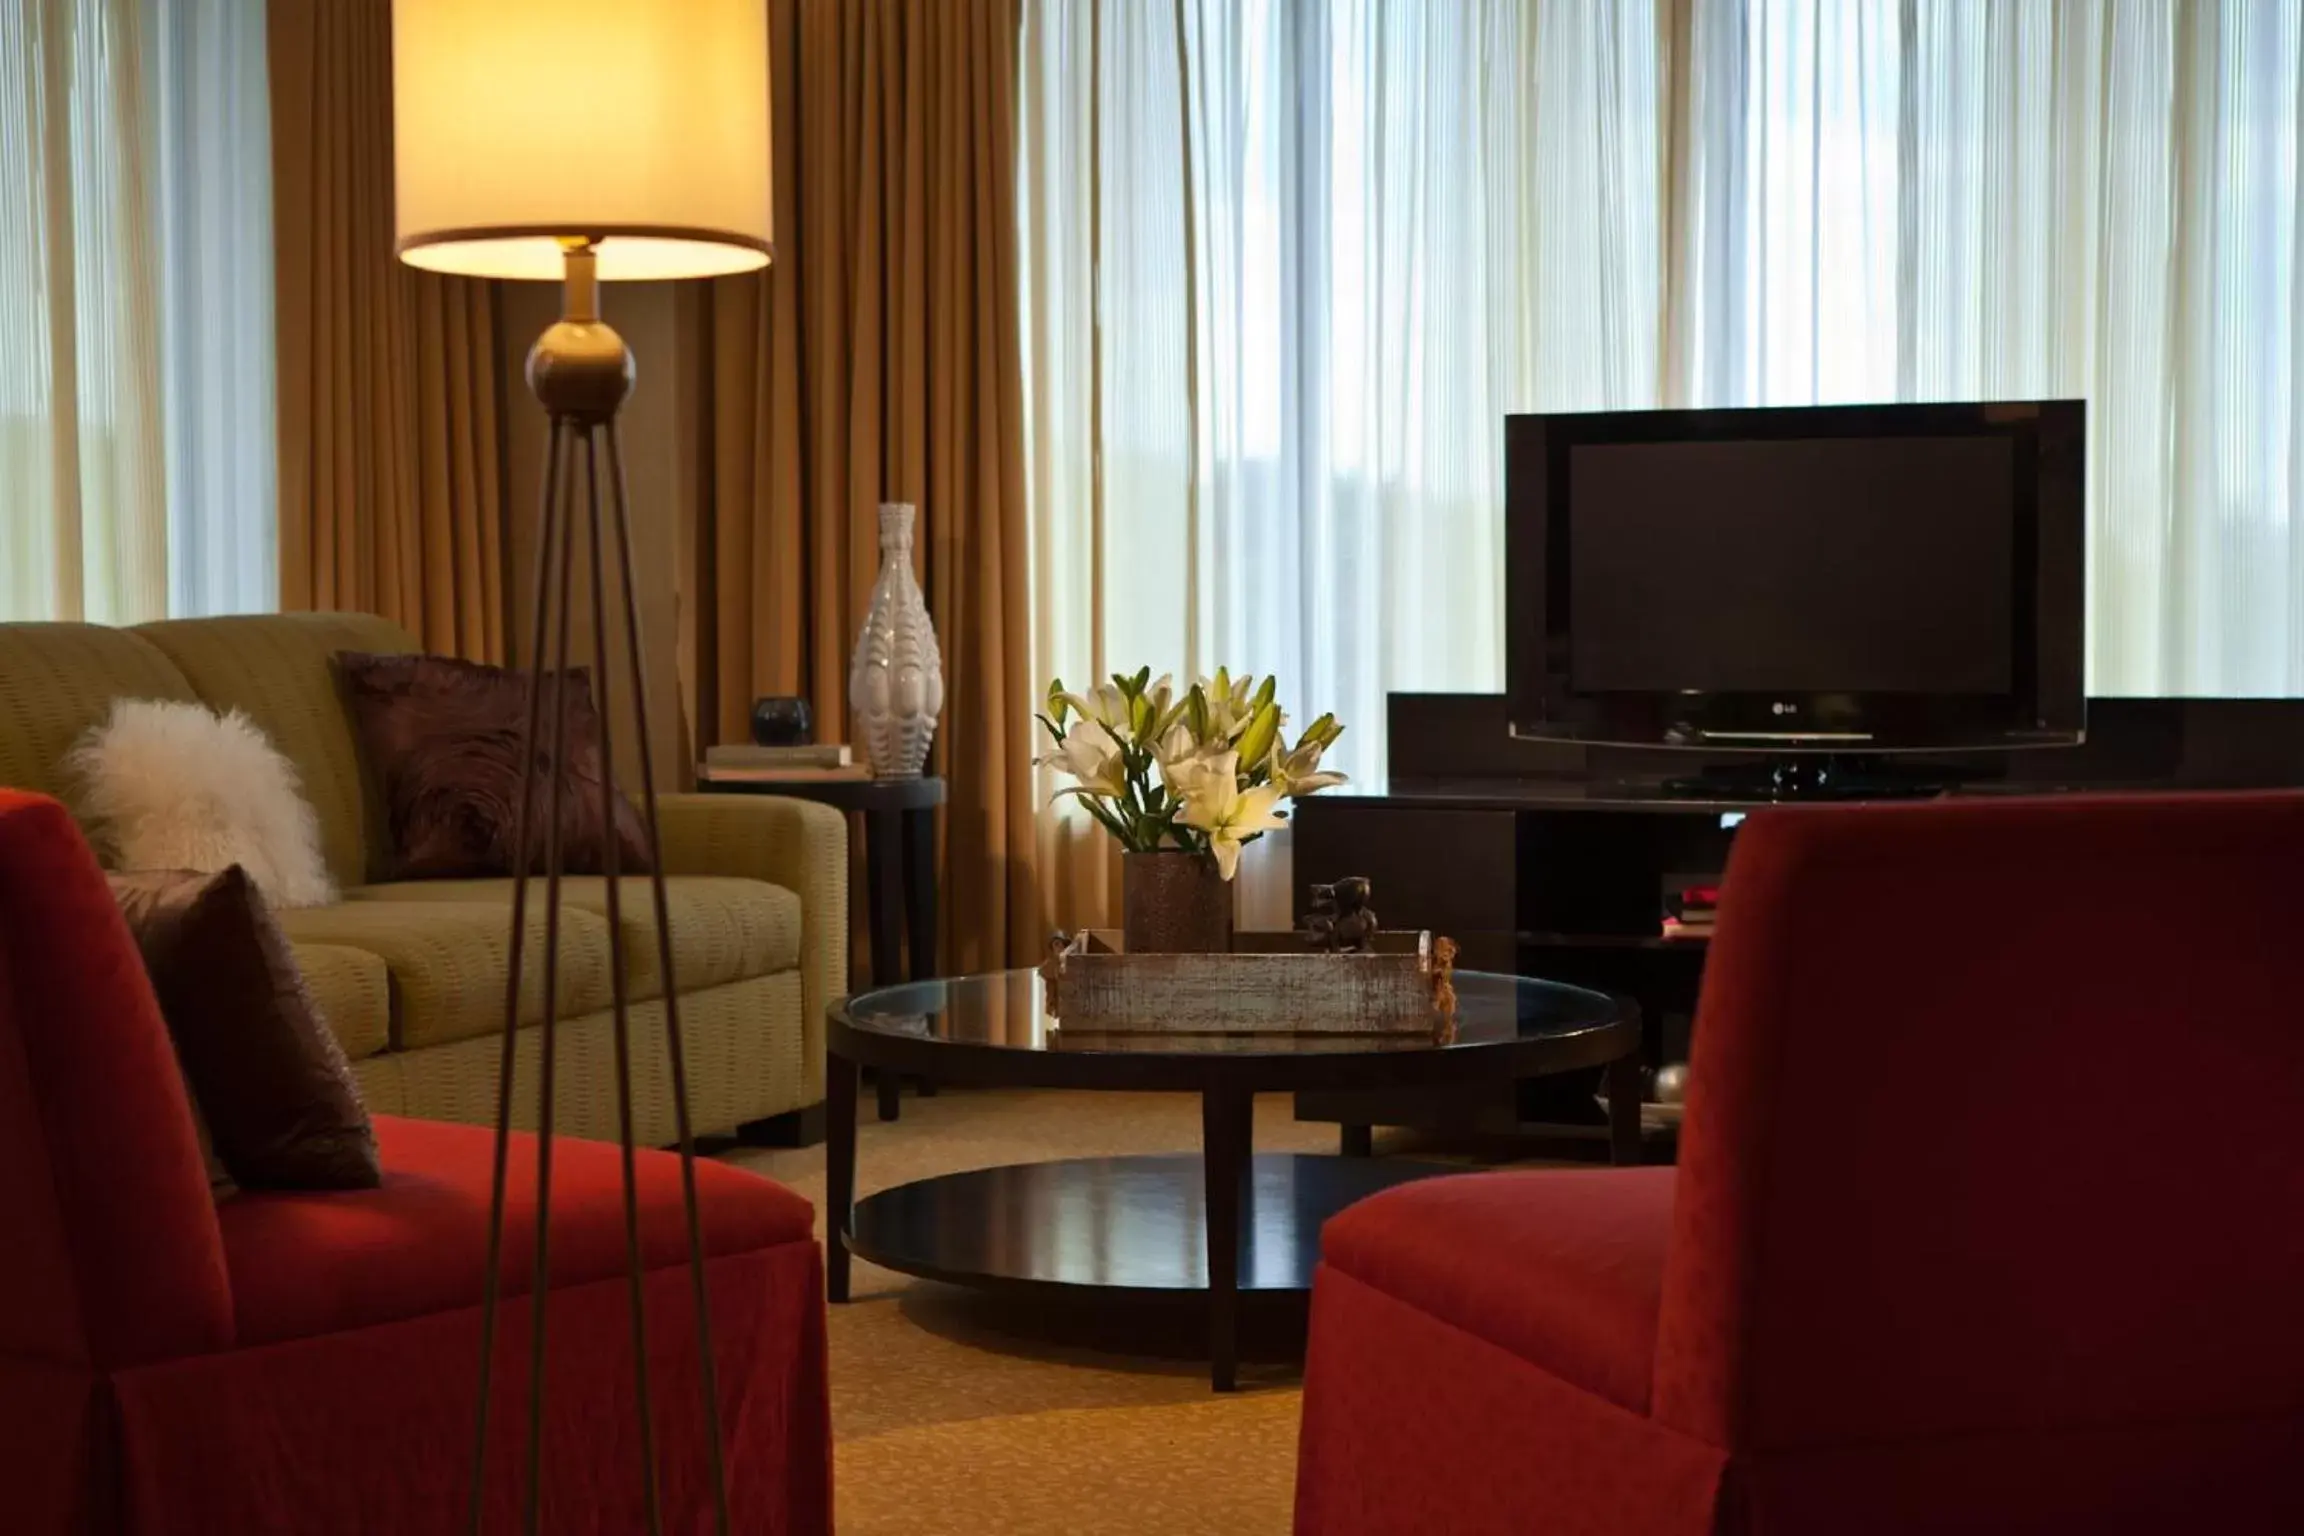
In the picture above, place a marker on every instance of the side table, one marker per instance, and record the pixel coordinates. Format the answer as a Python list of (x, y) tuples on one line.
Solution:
[(899, 820)]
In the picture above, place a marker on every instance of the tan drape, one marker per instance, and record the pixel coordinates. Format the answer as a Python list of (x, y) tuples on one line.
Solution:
[(878, 360), (391, 474)]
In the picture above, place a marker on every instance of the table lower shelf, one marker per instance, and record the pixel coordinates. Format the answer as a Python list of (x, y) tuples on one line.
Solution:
[(1115, 1227)]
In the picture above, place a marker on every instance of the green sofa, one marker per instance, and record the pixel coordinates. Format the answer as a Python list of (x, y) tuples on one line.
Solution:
[(412, 975)]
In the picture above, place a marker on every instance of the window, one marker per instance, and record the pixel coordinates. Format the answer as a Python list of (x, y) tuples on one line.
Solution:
[(135, 317), (1289, 265)]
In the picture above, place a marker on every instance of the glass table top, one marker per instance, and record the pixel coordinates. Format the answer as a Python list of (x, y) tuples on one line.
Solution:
[(1008, 1009)]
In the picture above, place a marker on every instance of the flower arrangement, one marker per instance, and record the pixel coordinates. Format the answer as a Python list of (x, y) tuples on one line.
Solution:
[(1204, 771)]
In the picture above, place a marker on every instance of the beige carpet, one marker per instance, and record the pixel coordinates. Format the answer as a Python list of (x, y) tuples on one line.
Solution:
[(956, 1414)]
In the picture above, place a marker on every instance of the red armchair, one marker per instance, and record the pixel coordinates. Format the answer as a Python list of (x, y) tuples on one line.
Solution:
[(300, 1363), (1989, 1215)]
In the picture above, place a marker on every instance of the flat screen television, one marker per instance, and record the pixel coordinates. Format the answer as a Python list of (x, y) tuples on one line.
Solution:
[(1838, 579)]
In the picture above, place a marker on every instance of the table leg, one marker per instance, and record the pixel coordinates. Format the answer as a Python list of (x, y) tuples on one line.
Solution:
[(920, 891), (1226, 1117), (1356, 1140), (884, 920), (884, 894), (1624, 1110), (840, 1087), (920, 903)]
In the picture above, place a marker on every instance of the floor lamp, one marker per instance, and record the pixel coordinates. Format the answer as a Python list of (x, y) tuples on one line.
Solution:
[(583, 141)]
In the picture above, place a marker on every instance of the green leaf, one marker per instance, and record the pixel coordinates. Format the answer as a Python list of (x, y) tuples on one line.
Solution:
[(1054, 730)]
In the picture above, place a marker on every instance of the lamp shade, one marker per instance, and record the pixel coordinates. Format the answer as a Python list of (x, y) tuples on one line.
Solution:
[(641, 124)]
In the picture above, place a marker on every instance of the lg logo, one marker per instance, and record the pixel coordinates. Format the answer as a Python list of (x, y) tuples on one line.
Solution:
[(1784, 709)]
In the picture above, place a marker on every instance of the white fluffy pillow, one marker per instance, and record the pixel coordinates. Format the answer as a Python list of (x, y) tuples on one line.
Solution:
[(176, 786)]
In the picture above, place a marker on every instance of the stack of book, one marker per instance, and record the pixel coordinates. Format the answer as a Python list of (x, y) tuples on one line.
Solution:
[(747, 764), (1689, 913)]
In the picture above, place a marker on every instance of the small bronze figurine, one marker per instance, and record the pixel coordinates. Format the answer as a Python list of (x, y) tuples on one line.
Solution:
[(1340, 921)]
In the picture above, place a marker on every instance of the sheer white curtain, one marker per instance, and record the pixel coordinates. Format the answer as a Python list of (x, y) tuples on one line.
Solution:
[(1937, 200), (83, 523), (212, 102), (1290, 262), (135, 310), (1287, 265)]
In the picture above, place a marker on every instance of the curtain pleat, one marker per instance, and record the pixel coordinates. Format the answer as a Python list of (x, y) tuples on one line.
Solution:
[(82, 455), (391, 475), (877, 360)]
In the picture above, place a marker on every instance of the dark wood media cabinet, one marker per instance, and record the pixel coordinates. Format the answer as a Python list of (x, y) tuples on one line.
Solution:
[(1549, 860)]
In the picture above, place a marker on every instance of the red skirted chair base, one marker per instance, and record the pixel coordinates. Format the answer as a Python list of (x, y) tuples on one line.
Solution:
[(1415, 1426), (1986, 1216), (358, 1328), (371, 1430), (1482, 1350)]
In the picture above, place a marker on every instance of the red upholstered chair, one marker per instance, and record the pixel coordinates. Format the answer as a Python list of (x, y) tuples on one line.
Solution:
[(1989, 1215), (305, 1363)]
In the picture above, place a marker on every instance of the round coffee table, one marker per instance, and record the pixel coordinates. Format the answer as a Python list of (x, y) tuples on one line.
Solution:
[(1124, 1227)]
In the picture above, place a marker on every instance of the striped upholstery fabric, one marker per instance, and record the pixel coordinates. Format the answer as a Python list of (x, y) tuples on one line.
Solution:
[(449, 962), (281, 669), (353, 991), (744, 1063), (57, 680), (723, 928), (797, 844)]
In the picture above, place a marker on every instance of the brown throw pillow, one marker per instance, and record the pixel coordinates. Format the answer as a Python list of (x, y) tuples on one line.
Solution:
[(271, 1084), (442, 738)]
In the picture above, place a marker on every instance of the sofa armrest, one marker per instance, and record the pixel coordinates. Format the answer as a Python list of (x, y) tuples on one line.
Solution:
[(797, 844)]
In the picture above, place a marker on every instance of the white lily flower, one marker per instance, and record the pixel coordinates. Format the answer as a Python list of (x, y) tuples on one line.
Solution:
[(1231, 816), (1298, 772), (1104, 704), (1184, 762), (1090, 753)]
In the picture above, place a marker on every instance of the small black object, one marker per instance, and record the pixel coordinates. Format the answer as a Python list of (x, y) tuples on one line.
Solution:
[(1340, 921), (782, 722)]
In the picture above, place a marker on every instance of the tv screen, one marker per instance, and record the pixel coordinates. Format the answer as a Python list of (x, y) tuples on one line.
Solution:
[(1852, 578), (1803, 566)]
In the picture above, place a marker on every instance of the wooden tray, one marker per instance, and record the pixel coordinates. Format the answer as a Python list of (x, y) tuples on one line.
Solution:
[(1268, 984)]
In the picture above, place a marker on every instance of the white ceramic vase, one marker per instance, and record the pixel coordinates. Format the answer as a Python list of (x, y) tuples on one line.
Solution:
[(896, 683)]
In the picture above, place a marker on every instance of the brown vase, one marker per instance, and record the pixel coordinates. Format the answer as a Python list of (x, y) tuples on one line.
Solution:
[(1174, 903)]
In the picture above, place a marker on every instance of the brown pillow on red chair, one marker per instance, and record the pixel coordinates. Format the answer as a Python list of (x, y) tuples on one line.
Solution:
[(442, 738), (269, 1082)]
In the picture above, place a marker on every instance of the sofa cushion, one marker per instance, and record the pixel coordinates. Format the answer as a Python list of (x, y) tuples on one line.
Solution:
[(449, 960), (280, 668), (723, 928), (443, 739), (353, 991), (1562, 1267), (270, 1082), (57, 680), (302, 1265)]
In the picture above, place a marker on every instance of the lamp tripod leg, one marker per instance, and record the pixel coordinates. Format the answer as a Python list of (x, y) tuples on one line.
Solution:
[(675, 1043), (550, 676), (524, 853), (619, 983)]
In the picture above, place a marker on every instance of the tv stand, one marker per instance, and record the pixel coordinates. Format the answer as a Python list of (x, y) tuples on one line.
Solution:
[(1811, 776)]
